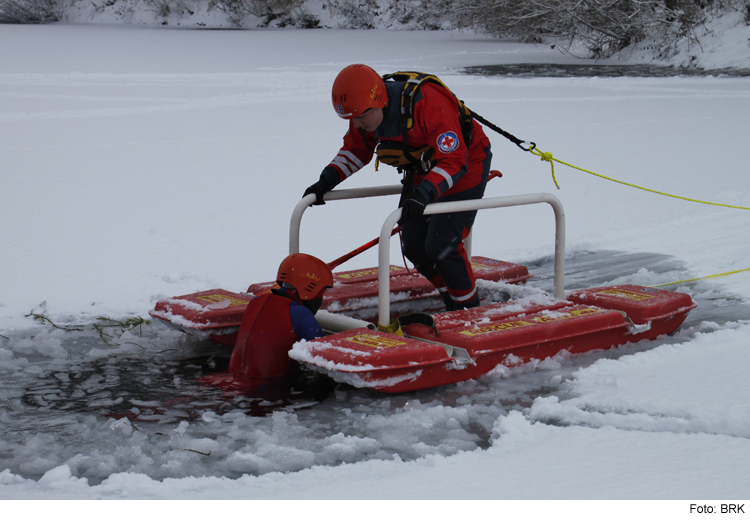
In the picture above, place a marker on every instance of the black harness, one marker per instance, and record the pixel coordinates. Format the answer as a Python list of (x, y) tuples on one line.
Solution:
[(400, 154)]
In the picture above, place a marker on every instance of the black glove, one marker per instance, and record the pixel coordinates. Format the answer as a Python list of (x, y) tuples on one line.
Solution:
[(413, 206), (319, 189)]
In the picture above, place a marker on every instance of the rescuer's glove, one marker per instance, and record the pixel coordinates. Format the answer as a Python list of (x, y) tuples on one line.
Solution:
[(318, 189), (413, 206)]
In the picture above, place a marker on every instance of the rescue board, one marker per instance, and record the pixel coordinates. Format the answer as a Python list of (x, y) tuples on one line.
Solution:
[(211, 314), (470, 343), (217, 314)]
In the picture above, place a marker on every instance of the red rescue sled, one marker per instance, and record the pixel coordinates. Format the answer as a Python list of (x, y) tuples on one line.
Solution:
[(461, 345), (472, 342)]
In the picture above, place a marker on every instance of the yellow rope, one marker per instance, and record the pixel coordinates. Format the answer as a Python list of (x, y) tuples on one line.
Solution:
[(701, 278), (547, 156)]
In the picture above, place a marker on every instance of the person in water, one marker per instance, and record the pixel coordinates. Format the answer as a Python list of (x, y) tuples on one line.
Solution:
[(274, 321)]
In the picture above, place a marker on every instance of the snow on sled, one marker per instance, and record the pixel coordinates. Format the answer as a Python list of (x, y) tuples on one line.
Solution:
[(455, 346), (211, 314)]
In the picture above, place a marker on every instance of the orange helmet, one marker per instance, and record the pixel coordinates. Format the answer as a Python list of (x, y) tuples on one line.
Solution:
[(309, 275), (357, 88)]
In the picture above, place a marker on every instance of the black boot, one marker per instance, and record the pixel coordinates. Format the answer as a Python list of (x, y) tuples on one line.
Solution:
[(471, 304), (449, 304)]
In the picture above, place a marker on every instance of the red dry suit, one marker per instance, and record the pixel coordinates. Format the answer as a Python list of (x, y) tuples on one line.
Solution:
[(272, 323), (436, 124), (460, 172)]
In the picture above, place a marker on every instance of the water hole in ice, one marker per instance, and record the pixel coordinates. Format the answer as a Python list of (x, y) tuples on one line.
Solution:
[(136, 405)]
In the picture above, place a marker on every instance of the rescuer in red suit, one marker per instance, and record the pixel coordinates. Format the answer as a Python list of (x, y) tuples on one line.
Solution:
[(274, 321), (445, 157)]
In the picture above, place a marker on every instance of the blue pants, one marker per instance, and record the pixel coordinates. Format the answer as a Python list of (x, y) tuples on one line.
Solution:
[(434, 244)]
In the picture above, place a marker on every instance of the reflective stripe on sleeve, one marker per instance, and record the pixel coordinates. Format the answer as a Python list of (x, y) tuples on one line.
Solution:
[(447, 177), (347, 162)]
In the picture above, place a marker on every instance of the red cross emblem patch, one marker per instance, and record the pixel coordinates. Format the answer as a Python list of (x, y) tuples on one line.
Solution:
[(448, 142)]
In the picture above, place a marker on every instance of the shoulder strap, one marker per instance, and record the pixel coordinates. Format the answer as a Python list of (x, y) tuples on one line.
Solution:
[(367, 143), (413, 82)]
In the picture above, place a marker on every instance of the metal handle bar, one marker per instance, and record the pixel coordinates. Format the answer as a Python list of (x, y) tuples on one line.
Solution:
[(384, 250), (343, 194)]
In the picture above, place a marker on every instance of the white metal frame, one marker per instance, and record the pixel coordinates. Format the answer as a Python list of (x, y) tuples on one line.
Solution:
[(344, 194), (384, 250)]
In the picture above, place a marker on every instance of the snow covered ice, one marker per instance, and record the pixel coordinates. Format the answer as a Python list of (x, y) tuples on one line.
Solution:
[(141, 164)]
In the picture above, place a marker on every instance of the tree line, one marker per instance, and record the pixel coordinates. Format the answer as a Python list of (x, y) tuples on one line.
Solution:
[(599, 27)]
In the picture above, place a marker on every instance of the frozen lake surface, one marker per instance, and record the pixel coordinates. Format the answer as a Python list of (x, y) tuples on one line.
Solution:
[(143, 163)]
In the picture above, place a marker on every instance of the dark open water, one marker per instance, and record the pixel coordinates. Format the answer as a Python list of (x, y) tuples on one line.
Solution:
[(596, 70)]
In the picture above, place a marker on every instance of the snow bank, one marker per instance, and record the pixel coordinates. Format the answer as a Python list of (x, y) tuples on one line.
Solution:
[(680, 388), (723, 41)]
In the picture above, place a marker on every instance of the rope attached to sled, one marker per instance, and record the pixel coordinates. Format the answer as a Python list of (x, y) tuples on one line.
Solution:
[(547, 156), (701, 278), (396, 325)]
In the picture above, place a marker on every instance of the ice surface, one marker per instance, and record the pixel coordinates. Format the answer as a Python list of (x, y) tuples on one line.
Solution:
[(142, 164)]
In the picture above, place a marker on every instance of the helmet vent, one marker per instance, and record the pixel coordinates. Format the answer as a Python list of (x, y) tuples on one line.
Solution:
[(307, 274), (364, 85)]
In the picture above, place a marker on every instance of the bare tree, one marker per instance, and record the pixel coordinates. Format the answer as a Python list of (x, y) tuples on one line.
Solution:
[(237, 10), (164, 8), (603, 27), (30, 11), (418, 14), (358, 14)]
